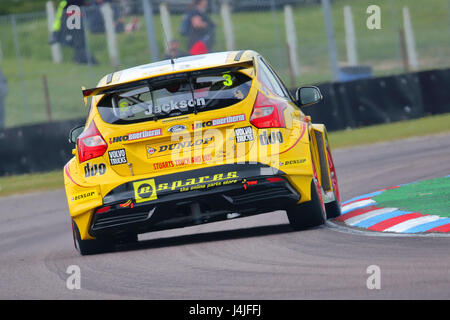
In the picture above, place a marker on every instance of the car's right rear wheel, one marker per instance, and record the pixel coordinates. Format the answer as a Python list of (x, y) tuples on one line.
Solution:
[(311, 213), (333, 208)]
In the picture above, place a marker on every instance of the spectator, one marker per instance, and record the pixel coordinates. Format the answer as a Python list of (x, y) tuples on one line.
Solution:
[(174, 50), (199, 47), (133, 25), (74, 38), (199, 28), (3, 94), (95, 17)]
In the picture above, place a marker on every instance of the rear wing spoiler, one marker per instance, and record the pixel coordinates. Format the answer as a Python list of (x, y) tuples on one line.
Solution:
[(172, 75)]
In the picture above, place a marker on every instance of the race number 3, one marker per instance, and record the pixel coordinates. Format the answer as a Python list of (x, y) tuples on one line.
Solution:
[(228, 82)]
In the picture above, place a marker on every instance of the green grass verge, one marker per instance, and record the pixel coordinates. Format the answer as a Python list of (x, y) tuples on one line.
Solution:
[(31, 182), (392, 131), (387, 132), (427, 197)]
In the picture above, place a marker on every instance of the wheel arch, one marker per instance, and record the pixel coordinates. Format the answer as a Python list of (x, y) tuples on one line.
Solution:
[(319, 141)]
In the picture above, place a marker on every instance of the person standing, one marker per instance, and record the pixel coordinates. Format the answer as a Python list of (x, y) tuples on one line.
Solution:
[(173, 51), (3, 94), (199, 28), (73, 37)]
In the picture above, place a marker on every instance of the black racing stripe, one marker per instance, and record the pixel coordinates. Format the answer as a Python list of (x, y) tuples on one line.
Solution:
[(239, 55), (109, 78)]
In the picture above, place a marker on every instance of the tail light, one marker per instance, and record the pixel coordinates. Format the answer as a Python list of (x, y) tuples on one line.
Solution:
[(91, 144), (103, 210), (267, 113), (274, 179)]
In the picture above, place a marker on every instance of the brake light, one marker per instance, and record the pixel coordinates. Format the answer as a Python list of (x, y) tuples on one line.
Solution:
[(267, 113), (274, 179), (91, 144), (103, 210)]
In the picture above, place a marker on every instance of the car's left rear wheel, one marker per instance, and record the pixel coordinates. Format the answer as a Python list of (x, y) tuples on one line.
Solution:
[(94, 246)]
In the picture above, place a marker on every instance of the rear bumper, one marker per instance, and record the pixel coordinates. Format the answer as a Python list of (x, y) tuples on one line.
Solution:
[(191, 198)]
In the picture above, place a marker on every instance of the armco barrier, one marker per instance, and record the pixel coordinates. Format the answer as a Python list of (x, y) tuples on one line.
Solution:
[(435, 88), (36, 148), (379, 100), (359, 103)]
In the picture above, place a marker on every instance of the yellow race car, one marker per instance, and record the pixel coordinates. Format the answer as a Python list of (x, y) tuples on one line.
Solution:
[(194, 140)]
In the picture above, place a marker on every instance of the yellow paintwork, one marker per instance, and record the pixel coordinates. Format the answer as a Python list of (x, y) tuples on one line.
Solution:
[(86, 194)]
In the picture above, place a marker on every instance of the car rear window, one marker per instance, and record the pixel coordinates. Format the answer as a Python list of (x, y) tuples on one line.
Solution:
[(174, 97)]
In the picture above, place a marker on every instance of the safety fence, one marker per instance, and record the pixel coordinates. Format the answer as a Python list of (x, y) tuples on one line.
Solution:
[(36, 148), (358, 103), (379, 100), (44, 76)]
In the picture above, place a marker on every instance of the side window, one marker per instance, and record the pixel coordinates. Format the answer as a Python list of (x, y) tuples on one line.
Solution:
[(268, 79), (281, 83)]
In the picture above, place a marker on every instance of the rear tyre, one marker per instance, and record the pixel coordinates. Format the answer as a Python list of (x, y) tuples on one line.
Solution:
[(333, 209), (308, 214), (87, 247)]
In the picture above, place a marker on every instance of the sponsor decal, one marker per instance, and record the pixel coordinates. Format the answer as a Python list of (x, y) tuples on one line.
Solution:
[(145, 190), (144, 134), (148, 190), (196, 159), (243, 134), (84, 196), (174, 183), (291, 162), (136, 136), (177, 128), (182, 162), (182, 105), (150, 150), (178, 145), (272, 138), (123, 106), (202, 182), (118, 139), (219, 121), (163, 165), (117, 157), (93, 170)]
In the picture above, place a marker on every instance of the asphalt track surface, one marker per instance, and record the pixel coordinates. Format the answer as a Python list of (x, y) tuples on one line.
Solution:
[(258, 257)]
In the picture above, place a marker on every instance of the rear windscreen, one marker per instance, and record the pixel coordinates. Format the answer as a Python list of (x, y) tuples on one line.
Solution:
[(169, 98)]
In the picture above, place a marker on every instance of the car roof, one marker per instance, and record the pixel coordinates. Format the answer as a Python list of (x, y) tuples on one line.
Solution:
[(187, 63)]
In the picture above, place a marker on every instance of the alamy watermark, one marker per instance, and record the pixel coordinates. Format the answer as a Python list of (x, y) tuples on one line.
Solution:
[(73, 282), (73, 21), (374, 280), (373, 22)]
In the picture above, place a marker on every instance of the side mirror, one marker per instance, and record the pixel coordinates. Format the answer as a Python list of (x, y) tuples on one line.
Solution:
[(307, 96), (75, 133)]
